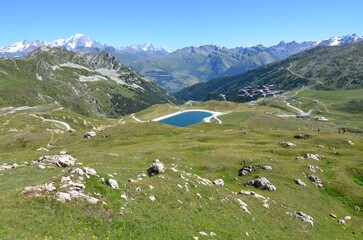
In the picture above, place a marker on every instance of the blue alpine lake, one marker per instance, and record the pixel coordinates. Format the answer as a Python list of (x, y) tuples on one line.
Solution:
[(186, 118), (44, 110)]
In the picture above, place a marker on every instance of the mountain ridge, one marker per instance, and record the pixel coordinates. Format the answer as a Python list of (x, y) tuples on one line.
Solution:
[(327, 67), (93, 83)]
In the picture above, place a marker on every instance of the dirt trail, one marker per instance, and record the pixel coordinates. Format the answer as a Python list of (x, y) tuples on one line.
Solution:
[(298, 75), (7, 122)]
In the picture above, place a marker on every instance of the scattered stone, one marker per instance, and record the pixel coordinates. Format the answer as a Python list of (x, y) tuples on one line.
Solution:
[(243, 171), (180, 201), (218, 182), (89, 135), (350, 142), (287, 144), (298, 136), (261, 183), (315, 157), (63, 197), (265, 205), (156, 168), (89, 171), (314, 168), (41, 166), (42, 149), (152, 198), (65, 179), (303, 217), (356, 208), (299, 158), (321, 146), (212, 234), (198, 194), (203, 233), (59, 160), (266, 167), (316, 181), (131, 180), (299, 182), (123, 196), (180, 186), (341, 221), (195, 238), (347, 217), (333, 215), (138, 189), (112, 183)]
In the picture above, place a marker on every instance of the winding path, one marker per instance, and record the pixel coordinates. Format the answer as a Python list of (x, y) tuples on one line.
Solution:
[(66, 125), (298, 75)]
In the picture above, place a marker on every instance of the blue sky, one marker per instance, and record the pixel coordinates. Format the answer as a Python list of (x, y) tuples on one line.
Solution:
[(176, 24)]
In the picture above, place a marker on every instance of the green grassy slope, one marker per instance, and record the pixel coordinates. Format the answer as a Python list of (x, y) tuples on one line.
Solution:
[(53, 76), (248, 136)]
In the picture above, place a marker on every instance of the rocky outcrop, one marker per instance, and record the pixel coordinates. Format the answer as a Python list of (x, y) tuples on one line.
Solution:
[(287, 144), (245, 170), (303, 217), (89, 135), (299, 182), (315, 157), (218, 182), (261, 183), (58, 160), (112, 183), (155, 168), (316, 181)]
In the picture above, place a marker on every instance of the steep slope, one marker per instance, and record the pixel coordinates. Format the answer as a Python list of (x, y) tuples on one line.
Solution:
[(89, 83), (338, 67)]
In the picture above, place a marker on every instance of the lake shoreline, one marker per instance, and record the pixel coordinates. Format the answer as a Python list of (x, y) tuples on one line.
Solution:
[(207, 119)]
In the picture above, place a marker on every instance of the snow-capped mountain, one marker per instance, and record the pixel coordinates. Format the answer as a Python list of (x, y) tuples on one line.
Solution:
[(76, 42), (338, 41), (147, 47), (23, 46)]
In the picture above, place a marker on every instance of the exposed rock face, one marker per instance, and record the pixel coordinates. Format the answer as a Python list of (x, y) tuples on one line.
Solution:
[(112, 183), (156, 168), (299, 182), (218, 182), (90, 134), (316, 181), (243, 171), (315, 157), (287, 144), (59, 160), (303, 217), (261, 183)]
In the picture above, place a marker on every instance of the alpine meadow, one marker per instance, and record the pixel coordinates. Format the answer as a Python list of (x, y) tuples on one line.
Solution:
[(263, 142)]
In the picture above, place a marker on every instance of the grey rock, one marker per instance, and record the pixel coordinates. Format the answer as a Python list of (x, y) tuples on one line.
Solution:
[(261, 183), (156, 168), (63, 197), (218, 182), (303, 217), (245, 170), (299, 182), (316, 181), (89, 134), (112, 183)]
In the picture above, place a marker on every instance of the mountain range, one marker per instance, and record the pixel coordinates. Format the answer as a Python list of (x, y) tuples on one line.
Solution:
[(184, 67), (325, 67), (93, 83)]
